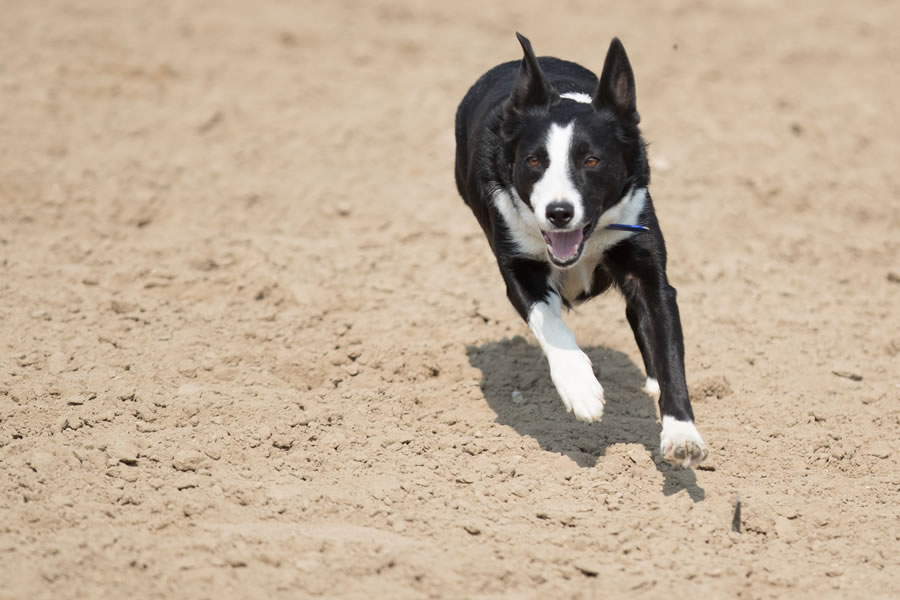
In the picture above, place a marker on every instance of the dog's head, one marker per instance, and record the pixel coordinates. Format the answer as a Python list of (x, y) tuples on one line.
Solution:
[(572, 157)]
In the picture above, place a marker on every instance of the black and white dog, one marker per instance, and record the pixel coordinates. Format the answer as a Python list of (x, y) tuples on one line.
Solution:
[(551, 161)]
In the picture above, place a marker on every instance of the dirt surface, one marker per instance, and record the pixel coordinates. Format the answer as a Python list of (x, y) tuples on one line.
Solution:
[(254, 344)]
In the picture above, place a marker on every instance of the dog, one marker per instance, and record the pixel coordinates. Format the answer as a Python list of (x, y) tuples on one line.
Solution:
[(551, 161)]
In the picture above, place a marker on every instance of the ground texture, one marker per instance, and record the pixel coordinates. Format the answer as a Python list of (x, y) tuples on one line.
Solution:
[(252, 344)]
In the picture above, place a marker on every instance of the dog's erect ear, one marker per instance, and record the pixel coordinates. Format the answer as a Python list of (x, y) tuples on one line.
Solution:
[(531, 87), (616, 87)]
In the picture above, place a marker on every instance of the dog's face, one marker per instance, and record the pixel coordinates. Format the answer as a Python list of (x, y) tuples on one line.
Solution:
[(572, 156)]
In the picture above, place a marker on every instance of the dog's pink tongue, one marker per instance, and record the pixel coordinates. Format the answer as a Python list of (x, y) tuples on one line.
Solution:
[(564, 245)]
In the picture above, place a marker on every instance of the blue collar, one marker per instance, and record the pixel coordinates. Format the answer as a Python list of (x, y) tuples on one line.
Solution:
[(623, 227)]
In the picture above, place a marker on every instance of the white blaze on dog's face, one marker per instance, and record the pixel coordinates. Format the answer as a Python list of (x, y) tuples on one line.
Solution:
[(556, 202), (555, 185)]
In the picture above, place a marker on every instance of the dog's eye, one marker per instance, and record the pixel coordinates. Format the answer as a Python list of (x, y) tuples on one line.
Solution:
[(532, 160), (591, 161)]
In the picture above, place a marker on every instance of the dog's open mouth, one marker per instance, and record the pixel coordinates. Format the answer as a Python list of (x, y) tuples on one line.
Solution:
[(565, 247)]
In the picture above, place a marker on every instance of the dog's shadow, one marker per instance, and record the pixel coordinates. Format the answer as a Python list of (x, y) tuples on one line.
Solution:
[(629, 415)]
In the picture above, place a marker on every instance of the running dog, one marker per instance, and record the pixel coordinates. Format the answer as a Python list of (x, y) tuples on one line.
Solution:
[(552, 163)]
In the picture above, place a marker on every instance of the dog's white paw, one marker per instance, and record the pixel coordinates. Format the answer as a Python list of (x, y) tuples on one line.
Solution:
[(577, 385), (681, 444), (652, 386)]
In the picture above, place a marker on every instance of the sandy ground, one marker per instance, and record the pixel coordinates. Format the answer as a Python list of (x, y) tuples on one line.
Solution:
[(254, 344)]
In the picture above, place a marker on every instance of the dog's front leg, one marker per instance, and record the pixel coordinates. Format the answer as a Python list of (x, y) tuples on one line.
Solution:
[(530, 291), (680, 442), (651, 302)]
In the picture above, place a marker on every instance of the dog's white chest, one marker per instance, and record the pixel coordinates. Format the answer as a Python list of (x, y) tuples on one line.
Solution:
[(574, 281), (579, 279)]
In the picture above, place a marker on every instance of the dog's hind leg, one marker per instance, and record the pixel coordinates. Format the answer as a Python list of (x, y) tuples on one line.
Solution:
[(530, 291), (641, 329)]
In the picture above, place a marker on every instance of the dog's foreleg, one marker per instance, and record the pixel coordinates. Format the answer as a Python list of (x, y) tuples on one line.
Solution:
[(570, 368), (653, 312)]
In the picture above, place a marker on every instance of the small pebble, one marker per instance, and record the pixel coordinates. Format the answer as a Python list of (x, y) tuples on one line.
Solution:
[(849, 375), (588, 567)]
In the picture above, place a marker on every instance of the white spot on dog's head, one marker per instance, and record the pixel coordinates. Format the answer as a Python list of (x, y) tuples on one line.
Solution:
[(577, 97), (556, 184)]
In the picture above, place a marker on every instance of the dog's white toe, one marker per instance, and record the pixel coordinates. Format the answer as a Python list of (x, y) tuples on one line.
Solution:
[(578, 387), (652, 386), (681, 444)]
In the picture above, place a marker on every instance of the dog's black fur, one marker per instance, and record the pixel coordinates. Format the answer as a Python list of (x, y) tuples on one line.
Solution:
[(501, 125)]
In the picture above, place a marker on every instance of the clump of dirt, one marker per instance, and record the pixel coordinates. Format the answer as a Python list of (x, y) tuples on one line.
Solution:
[(716, 387)]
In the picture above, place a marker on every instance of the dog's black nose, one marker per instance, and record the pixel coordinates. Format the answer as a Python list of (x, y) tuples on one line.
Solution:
[(560, 213)]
